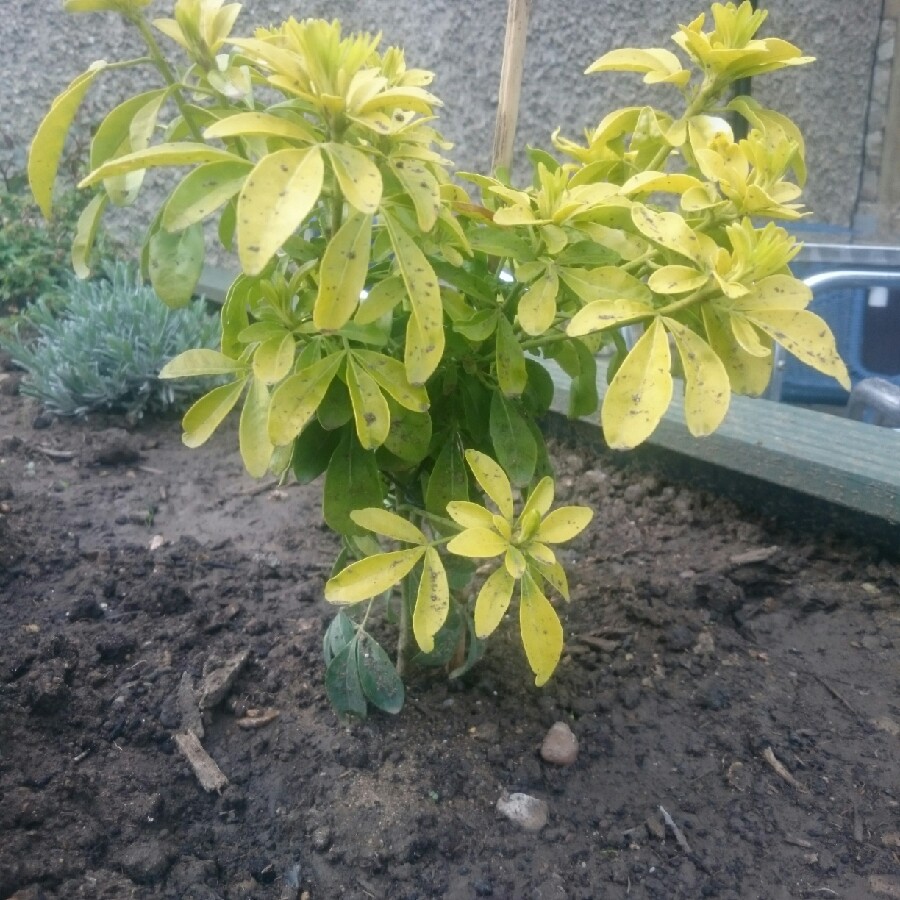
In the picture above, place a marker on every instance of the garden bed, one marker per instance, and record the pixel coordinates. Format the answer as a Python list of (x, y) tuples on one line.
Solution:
[(740, 676)]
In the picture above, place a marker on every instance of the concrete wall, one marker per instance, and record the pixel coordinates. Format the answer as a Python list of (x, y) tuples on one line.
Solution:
[(462, 41)]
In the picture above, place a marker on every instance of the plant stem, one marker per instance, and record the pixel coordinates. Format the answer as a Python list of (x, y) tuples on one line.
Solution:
[(162, 64), (405, 626)]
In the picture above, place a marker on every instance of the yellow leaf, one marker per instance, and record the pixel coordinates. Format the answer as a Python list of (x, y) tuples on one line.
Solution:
[(200, 362), (805, 335), (707, 390), (357, 175), (253, 436), (265, 124), (552, 572), (432, 601), (493, 481), (748, 374), (273, 358), (542, 633), (563, 524), (478, 543), (297, 398), (537, 308), (539, 501), (514, 561), (775, 292), (425, 330), (676, 280), (277, 196), (205, 416), (342, 273), (391, 377), (86, 233), (493, 601), (605, 313), (605, 283), (669, 230), (422, 188), (388, 524), (748, 337), (50, 137), (370, 409), (371, 576), (470, 515), (179, 153), (382, 298), (203, 191), (657, 65), (640, 392), (649, 182)]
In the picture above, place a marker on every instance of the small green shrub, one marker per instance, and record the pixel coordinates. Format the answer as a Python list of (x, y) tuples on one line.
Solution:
[(102, 348)]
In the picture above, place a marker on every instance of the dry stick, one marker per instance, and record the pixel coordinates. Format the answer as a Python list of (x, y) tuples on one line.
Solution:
[(510, 83)]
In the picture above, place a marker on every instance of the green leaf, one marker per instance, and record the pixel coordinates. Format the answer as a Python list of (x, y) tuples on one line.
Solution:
[(480, 326), (357, 175), (342, 683), (539, 391), (512, 374), (537, 308), (114, 132), (179, 153), (493, 481), (256, 448), (50, 137), (296, 399), (86, 234), (202, 192), (410, 435), (707, 390), (388, 524), (200, 362), (583, 396), (640, 392), (175, 264), (425, 329), (208, 413), (493, 601), (382, 298), (391, 376), (313, 448), (371, 576), (448, 480), (275, 199), (380, 682), (513, 443), (500, 242), (342, 273), (432, 601), (352, 481), (370, 409), (340, 632), (335, 410), (542, 633)]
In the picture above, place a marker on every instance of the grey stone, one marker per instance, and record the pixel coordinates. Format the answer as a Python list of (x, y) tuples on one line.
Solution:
[(560, 746), (526, 811)]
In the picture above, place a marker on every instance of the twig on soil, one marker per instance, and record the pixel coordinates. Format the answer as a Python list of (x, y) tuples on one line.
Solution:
[(209, 775), (779, 769), (216, 684), (50, 453), (842, 700), (257, 718), (679, 834)]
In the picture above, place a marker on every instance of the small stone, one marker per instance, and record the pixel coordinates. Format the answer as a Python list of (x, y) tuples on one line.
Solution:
[(321, 839), (560, 745), (524, 810), (679, 638), (145, 862)]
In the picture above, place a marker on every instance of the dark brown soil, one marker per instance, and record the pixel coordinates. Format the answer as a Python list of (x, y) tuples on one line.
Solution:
[(706, 648)]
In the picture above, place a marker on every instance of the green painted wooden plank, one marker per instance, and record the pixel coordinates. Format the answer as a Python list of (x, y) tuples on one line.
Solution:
[(214, 283), (838, 460)]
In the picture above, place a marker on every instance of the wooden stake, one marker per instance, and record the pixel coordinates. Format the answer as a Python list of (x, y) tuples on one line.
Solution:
[(517, 17)]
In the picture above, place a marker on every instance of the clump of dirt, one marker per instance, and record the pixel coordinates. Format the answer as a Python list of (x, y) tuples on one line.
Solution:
[(732, 689)]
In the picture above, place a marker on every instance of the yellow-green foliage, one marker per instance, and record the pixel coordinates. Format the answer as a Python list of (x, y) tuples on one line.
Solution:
[(370, 334)]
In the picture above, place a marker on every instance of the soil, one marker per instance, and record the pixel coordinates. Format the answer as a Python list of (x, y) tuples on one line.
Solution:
[(719, 667)]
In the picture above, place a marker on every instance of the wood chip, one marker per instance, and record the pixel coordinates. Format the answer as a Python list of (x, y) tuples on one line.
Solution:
[(778, 768), (258, 718), (597, 643), (209, 775), (50, 453), (891, 839), (189, 707), (756, 555), (216, 684)]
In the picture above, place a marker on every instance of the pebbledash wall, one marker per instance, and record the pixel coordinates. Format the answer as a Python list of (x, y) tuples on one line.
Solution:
[(847, 103)]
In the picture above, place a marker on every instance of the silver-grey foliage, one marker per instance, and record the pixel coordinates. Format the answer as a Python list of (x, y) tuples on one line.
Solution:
[(103, 348)]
